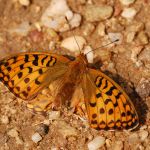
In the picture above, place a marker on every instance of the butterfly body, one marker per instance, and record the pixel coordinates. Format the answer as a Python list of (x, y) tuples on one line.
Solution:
[(107, 105)]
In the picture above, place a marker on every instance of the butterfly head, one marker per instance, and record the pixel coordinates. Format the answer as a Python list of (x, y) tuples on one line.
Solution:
[(82, 58)]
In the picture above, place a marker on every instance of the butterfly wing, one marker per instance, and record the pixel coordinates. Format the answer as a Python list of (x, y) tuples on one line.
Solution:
[(26, 74), (108, 106)]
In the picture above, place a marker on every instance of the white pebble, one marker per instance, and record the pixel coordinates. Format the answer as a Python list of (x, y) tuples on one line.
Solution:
[(96, 143), (36, 137), (69, 14), (127, 2), (24, 2), (55, 16), (75, 21), (115, 36), (90, 55), (70, 43), (129, 13)]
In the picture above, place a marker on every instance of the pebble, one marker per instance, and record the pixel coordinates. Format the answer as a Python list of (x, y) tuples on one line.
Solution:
[(115, 36), (53, 115), (90, 55), (24, 2), (135, 52), (14, 133), (101, 29), (143, 88), (88, 28), (65, 129), (97, 13), (142, 36), (70, 43), (96, 143), (128, 13), (36, 137), (135, 27), (130, 36), (75, 21), (145, 55), (133, 138), (4, 119), (143, 135), (54, 16), (127, 2)]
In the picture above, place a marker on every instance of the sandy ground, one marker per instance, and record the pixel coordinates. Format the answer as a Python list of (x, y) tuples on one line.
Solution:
[(128, 63)]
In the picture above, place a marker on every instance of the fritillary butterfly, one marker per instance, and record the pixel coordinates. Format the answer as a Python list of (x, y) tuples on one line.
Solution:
[(107, 105)]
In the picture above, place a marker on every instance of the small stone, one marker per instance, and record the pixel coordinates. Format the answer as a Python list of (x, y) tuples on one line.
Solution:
[(130, 37), (36, 137), (133, 138), (88, 28), (89, 54), (5, 119), (115, 36), (75, 21), (53, 115), (69, 14), (143, 135), (96, 143), (108, 143), (70, 43), (127, 2), (65, 129), (55, 16), (24, 2), (129, 13), (143, 88), (97, 13), (135, 52), (101, 29), (142, 36), (135, 27)]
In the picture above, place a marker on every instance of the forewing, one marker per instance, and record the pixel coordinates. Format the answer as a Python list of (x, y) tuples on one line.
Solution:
[(26, 74), (108, 106)]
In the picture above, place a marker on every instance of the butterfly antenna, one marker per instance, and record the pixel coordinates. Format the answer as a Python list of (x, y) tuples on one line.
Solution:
[(102, 46), (73, 34)]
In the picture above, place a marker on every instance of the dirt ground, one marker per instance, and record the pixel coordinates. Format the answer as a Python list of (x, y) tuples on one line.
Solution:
[(127, 62)]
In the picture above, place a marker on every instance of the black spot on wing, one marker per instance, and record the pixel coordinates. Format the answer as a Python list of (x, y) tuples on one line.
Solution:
[(26, 58), (43, 59), (110, 91), (98, 95), (35, 62), (20, 75), (37, 82), (93, 104), (99, 82)]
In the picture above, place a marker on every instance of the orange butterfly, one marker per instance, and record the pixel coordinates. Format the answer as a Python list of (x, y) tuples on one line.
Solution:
[(107, 105)]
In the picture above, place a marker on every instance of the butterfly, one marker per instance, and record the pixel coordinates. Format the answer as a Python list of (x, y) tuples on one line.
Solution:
[(107, 105)]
